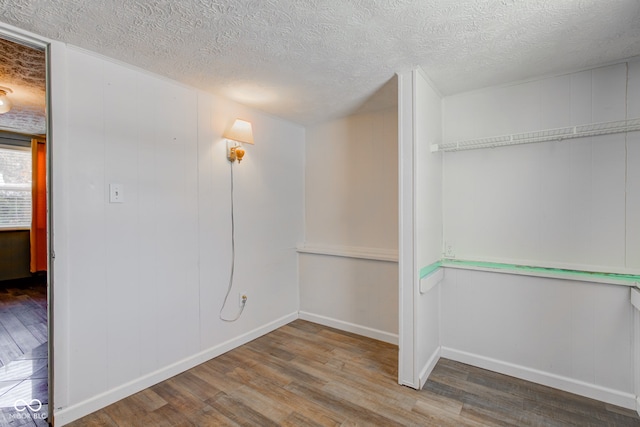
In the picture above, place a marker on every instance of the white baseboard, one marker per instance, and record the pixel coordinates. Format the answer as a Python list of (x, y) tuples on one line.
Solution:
[(350, 327), (593, 391), (428, 367), (79, 410)]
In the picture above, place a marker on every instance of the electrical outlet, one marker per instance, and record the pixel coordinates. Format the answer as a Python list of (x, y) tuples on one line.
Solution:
[(242, 299), (449, 252)]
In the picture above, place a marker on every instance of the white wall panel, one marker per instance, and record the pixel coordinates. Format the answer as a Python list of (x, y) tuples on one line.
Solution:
[(428, 217), (569, 204), (613, 336), (555, 102), (579, 217), (577, 245), (121, 231), (351, 181), (176, 215), (575, 331), (146, 277), (351, 201), (357, 292), (609, 87), (633, 170), (269, 215), (554, 203), (111, 287), (607, 209), (583, 324), (148, 225), (428, 172), (86, 234), (581, 98)]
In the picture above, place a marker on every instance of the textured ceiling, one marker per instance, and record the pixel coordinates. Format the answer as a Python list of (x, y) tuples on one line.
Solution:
[(22, 69), (309, 60)]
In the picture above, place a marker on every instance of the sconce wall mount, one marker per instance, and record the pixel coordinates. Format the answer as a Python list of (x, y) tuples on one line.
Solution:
[(234, 151)]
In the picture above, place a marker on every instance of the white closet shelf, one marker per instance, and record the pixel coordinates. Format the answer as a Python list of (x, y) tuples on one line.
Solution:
[(581, 131)]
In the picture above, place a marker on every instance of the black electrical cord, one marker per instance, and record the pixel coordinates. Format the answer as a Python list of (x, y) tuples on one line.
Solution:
[(233, 260)]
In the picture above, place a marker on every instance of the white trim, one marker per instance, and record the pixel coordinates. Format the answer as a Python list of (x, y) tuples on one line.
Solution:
[(18, 35), (74, 412), (375, 254), (430, 281), (593, 391), (428, 367), (57, 224), (364, 331), (406, 226), (635, 298), (636, 349)]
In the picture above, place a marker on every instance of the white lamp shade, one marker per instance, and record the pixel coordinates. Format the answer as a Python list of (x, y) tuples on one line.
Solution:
[(241, 131)]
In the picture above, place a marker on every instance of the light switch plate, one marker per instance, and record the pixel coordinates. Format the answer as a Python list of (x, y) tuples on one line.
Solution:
[(116, 193)]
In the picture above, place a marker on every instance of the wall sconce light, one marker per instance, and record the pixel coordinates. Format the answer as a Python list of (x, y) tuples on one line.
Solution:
[(241, 131), (5, 102)]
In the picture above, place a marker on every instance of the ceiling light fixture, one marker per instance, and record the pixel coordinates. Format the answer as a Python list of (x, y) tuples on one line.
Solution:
[(5, 102), (241, 131)]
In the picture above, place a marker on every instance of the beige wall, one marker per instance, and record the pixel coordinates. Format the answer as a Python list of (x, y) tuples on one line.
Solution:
[(351, 225)]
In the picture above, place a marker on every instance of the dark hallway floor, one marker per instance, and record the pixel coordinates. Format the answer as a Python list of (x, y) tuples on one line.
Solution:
[(23, 354)]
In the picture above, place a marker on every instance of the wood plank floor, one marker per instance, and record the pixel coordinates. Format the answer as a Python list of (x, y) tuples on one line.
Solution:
[(304, 374), (23, 354)]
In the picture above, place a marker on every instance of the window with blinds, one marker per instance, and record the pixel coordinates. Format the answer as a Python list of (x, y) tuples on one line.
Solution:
[(15, 187)]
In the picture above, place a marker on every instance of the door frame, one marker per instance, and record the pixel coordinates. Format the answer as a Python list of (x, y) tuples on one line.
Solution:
[(24, 38)]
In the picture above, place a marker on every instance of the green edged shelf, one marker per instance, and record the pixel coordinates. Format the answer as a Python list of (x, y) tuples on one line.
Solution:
[(559, 273)]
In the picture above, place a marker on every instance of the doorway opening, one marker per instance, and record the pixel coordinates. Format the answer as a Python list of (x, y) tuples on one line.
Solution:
[(24, 238)]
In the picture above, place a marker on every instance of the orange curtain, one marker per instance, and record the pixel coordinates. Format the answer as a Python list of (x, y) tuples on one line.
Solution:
[(39, 206)]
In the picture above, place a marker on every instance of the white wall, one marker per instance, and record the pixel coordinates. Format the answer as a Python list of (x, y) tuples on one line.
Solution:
[(138, 285), (420, 225), (632, 224), (351, 181), (571, 335), (559, 204), (428, 190), (570, 204), (348, 268)]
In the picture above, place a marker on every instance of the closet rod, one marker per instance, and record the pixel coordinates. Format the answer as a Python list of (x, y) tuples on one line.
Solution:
[(581, 131)]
